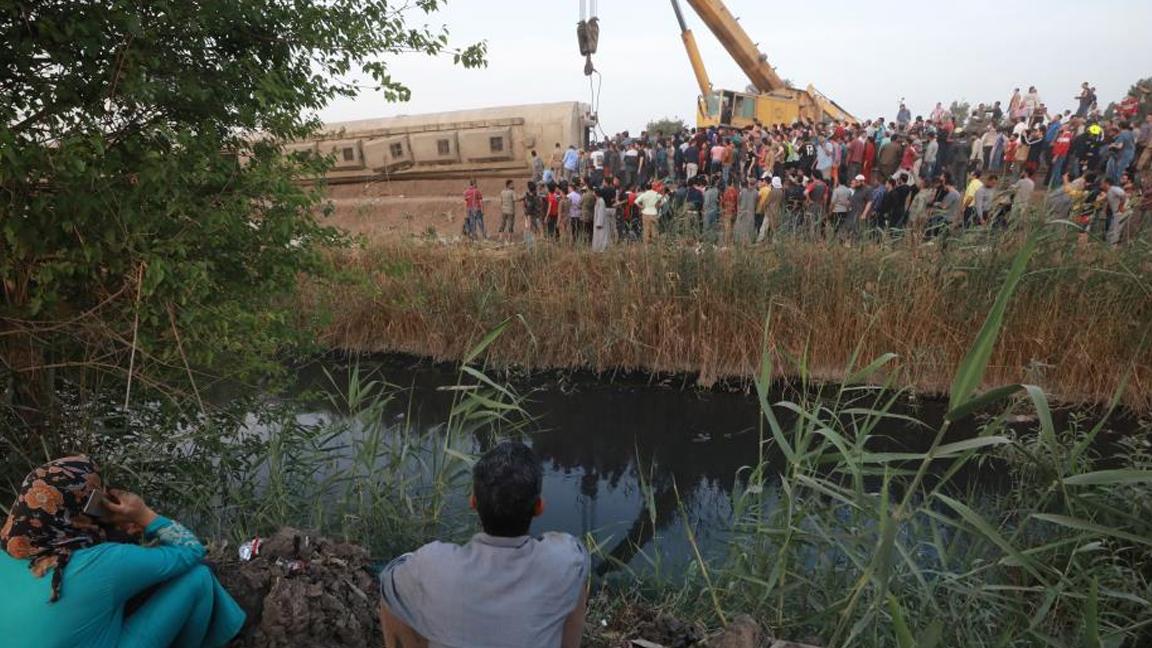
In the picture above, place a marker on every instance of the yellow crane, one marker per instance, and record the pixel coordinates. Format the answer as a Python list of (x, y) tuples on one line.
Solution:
[(773, 102)]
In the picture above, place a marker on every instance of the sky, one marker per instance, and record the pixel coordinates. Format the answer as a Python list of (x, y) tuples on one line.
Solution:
[(866, 55)]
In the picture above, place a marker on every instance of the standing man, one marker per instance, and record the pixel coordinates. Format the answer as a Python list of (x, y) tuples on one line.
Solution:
[(841, 208), (507, 211), (874, 207), (1022, 192), (587, 213), (856, 155), (533, 211), (504, 587), (1121, 152), (931, 154), (1060, 148), (474, 207), (982, 205), (1116, 201), (763, 192), (729, 202), (974, 184), (556, 163), (987, 144), (903, 116), (946, 210), (691, 161), (649, 204), (743, 231), (537, 167), (575, 212), (861, 194), (552, 211), (1085, 100), (571, 163), (711, 210), (889, 157)]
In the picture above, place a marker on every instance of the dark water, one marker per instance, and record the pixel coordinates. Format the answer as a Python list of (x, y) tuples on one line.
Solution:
[(602, 440)]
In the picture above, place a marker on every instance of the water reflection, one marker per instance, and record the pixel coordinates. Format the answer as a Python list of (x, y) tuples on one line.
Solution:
[(624, 458), (616, 455)]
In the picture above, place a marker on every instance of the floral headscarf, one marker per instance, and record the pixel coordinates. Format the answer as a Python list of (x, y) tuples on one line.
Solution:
[(47, 523)]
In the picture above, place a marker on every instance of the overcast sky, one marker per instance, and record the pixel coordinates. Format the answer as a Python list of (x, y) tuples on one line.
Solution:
[(864, 54)]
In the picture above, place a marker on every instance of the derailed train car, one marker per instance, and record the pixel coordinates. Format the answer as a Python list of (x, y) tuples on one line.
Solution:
[(482, 143)]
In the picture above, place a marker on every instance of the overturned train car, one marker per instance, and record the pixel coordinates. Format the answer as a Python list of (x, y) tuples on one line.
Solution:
[(483, 143)]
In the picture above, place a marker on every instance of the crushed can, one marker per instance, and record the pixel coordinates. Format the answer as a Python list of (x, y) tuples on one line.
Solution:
[(250, 549)]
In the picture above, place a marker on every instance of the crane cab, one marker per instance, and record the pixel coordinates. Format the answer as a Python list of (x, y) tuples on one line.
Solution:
[(733, 109)]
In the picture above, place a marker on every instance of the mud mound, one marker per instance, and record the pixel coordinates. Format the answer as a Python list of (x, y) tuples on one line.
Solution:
[(303, 590)]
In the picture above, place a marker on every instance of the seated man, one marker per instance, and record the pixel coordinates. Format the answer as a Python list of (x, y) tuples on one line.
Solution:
[(503, 588)]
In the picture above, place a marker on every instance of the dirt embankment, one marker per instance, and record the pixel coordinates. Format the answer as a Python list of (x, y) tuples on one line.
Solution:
[(305, 590), (391, 210)]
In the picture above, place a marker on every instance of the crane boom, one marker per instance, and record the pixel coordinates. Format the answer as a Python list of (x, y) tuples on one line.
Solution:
[(693, 53), (742, 48)]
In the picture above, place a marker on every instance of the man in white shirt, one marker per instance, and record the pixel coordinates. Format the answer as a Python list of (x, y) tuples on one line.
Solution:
[(649, 203), (598, 159), (1020, 128)]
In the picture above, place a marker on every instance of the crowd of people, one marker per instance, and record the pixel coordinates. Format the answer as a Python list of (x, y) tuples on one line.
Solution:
[(915, 175)]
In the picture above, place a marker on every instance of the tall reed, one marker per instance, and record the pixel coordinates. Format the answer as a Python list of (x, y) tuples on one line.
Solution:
[(1081, 311)]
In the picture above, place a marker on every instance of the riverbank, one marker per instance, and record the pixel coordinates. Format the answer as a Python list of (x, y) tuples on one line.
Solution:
[(1076, 326), (304, 589)]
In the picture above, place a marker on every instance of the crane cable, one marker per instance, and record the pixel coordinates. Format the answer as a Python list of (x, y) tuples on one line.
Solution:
[(588, 37)]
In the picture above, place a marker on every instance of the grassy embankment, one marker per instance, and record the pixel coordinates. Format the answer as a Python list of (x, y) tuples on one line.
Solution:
[(1080, 315)]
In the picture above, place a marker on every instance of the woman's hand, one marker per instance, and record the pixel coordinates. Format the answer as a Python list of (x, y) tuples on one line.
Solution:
[(128, 510)]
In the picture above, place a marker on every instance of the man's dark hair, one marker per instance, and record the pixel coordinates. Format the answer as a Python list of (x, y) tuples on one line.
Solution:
[(507, 482)]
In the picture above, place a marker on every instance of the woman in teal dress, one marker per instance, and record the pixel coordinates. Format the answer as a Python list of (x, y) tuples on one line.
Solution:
[(66, 584)]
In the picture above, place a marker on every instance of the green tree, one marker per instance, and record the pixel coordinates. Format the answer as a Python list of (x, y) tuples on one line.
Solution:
[(666, 125), (151, 231)]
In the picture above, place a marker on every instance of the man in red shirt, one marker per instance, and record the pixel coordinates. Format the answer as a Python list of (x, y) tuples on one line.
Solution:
[(869, 157), (728, 204), (911, 155), (552, 216), (856, 155), (474, 205), (1060, 147)]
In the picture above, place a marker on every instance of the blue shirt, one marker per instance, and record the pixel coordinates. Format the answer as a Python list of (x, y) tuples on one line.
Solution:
[(1052, 132), (98, 581), (1127, 143), (571, 160)]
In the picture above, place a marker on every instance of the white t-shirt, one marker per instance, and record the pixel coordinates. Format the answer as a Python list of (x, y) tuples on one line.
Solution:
[(649, 203), (598, 159)]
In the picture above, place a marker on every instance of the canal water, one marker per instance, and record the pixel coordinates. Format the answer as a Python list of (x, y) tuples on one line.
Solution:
[(618, 449)]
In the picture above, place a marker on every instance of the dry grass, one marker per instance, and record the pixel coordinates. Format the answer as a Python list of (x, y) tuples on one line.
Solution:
[(1075, 326)]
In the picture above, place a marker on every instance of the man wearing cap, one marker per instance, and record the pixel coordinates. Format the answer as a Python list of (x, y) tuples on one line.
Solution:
[(773, 209), (858, 203)]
